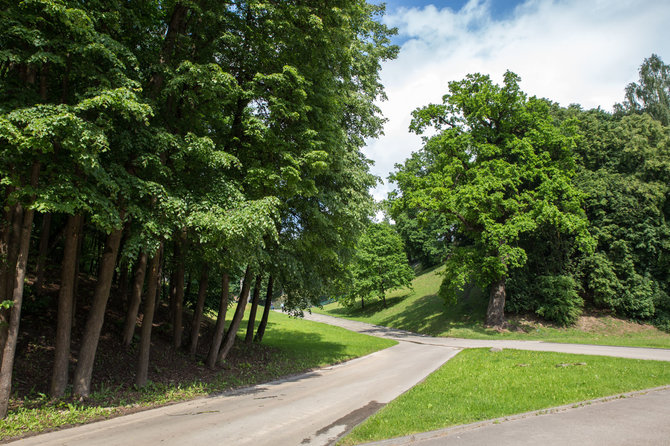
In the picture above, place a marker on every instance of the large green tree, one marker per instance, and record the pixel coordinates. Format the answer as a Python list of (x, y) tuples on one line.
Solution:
[(499, 168)]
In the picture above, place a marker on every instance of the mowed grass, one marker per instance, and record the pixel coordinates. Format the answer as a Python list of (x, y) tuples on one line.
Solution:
[(297, 346), (479, 385), (309, 344), (421, 310)]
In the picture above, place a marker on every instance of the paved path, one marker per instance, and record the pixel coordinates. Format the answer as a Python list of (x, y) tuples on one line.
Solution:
[(659, 354), (641, 418), (312, 409)]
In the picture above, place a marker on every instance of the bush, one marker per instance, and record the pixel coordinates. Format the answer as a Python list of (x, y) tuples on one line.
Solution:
[(558, 299)]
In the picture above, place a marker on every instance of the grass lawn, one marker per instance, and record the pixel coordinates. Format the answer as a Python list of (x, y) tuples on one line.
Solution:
[(479, 385), (420, 310), (290, 346)]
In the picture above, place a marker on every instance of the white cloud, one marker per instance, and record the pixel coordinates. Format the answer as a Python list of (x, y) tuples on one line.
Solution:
[(570, 51)]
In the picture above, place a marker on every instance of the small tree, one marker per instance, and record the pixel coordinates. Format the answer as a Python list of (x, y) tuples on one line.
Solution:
[(380, 264)]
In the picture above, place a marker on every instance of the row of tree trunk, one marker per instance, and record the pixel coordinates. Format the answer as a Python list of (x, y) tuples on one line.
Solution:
[(14, 246)]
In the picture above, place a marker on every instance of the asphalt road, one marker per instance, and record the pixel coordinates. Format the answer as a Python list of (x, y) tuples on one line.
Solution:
[(317, 407), (637, 418), (311, 409)]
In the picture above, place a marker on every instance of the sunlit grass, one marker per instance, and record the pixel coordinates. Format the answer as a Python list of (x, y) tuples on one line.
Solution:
[(420, 310), (479, 385)]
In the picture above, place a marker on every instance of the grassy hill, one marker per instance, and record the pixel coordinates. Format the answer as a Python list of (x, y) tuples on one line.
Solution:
[(421, 310)]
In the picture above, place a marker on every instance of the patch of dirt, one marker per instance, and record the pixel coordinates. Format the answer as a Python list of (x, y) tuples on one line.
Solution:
[(600, 322), (607, 324), (114, 369)]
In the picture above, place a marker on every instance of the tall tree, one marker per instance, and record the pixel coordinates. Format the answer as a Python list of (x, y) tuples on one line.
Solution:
[(499, 168)]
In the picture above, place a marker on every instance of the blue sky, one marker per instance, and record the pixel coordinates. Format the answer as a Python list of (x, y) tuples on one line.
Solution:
[(500, 9), (570, 51)]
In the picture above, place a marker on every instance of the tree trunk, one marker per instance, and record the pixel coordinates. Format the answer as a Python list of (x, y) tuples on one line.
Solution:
[(173, 292), (13, 249), (254, 307), (495, 314), (231, 334), (6, 270), (197, 314), (5, 237), (42, 252), (59, 378), (9, 350), (362, 303), (96, 315), (220, 322), (180, 254), (76, 272), (147, 320), (123, 282), (266, 311), (135, 299)]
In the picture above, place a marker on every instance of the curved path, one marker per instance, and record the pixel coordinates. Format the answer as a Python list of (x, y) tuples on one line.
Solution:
[(659, 354), (314, 408)]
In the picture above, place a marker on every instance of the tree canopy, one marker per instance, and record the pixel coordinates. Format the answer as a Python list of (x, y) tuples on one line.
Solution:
[(174, 142), (498, 170)]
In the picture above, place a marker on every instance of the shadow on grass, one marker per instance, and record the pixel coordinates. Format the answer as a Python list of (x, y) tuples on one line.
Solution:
[(428, 314), (371, 308)]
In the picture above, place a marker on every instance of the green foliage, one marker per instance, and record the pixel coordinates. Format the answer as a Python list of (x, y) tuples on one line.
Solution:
[(626, 167), (558, 299), (498, 171), (652, 93), (379, 265)]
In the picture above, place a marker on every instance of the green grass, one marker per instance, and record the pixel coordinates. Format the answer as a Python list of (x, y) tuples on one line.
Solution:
[(297, 346), (308, 344), (479, 385), (420, 310)]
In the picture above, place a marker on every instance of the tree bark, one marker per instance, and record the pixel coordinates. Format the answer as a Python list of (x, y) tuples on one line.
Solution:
[(495, 314), (197, 314), (231, 334), (42, 251), (220, 322), (135, 299), (180, 254), (123, 282), (13, 249), (266, 311), (173, 291), (96, 315), (254, 308), (76, 272), (59, 378), (9, 349), (147, 320), (6, 269)]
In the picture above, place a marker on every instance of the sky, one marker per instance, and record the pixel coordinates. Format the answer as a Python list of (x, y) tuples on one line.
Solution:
[(570, 51)]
